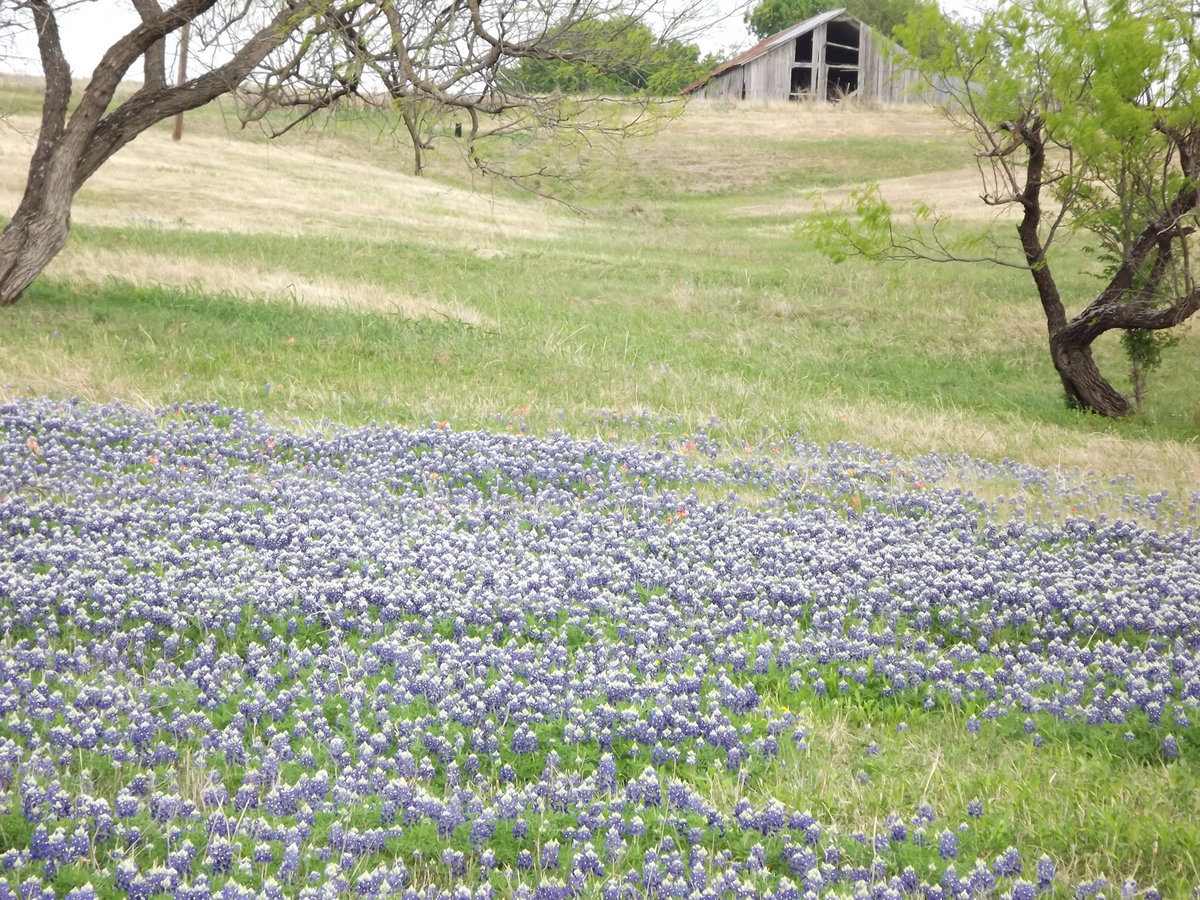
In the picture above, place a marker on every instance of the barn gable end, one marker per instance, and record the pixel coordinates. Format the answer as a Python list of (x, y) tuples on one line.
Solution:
[(829, 57)]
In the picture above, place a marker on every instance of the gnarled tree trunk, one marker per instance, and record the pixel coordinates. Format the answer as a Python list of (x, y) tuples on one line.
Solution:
[(38, 229), (1085, 387), (30, 240)]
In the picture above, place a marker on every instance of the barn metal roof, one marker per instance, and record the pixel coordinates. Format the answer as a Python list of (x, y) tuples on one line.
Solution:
[(780, 37)]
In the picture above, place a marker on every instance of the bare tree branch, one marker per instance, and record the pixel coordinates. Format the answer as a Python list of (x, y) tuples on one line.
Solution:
[(155, 75)]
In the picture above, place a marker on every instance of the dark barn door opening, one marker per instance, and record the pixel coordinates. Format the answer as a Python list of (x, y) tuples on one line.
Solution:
[(842, 59), (802, 68)]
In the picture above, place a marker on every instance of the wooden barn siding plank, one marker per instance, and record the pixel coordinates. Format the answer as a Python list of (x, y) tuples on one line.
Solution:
[(820, 76), (727, 86), (885, 78), (868, 65), (783, 58), (770, 76)]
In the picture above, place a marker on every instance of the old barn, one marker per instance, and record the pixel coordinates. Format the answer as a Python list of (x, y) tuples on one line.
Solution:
[(832, 56)]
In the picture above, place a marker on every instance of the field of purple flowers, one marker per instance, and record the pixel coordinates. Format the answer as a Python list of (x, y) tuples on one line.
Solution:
[(248, 662)]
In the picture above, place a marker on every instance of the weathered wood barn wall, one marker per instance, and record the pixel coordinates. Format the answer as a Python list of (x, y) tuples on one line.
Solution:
[(832, 56)]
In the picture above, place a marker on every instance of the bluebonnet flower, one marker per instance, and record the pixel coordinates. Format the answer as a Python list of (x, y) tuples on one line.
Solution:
[(948, 845), (126, 872), (446, 592), (773, 817), (220, 855), (982, 879), (1008, 864), (455, 861), (1045, 872), (290, 863), (952, 883), (127, 805), (482, 828)]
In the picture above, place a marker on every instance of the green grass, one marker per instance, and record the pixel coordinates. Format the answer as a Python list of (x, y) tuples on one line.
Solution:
[(701, 306), (774, 337), (687, 294)]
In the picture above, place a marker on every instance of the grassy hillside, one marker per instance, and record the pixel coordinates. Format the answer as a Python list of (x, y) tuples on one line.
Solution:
[(313, 277), (259, 654)]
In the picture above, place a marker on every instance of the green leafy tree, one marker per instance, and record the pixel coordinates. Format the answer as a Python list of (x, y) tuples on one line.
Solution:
[(619, 56), (772, 16), (1083, 118)]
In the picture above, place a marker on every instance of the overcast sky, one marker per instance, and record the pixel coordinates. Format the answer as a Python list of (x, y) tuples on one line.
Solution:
[(87, 31)]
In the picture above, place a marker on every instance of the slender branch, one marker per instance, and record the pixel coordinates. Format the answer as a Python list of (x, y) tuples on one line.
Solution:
[(1164, 226), (57, 95), (1095, 321)]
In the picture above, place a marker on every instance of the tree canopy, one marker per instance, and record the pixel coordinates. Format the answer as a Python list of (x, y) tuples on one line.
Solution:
[(626, 58), (1084, 118), (771, 16)]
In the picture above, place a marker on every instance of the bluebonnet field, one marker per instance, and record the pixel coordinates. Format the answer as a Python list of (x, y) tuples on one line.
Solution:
[(249, 662)]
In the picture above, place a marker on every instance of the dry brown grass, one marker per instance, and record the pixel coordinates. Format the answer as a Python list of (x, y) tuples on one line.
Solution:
[(1161, 464), (247, 279), (810, 121), (954, 194), (227, 183), (692, 151), (215, 182)]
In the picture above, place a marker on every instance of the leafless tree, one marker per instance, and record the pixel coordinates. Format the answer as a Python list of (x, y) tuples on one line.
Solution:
[(293, 57)]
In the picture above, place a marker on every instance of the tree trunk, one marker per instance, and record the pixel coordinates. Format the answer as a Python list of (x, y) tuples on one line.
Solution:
[(1086, 388), (38, 229), (31, 239), (1070, 345), (26, 249)]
